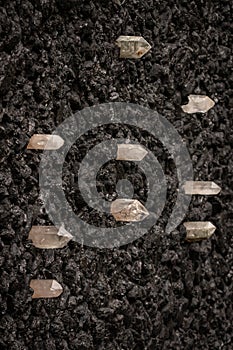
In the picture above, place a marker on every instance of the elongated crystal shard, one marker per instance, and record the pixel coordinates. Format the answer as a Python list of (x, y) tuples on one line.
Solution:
[(198, 104), (199, 230), (45, 142), (132, 46), (201, 187), (49, 237), (46, 288), (128, 210), (132, 152)]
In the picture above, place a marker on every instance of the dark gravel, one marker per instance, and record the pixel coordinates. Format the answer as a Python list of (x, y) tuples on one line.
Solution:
[(57, 57)]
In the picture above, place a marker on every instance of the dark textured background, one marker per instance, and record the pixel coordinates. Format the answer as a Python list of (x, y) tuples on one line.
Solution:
[(58, 56)]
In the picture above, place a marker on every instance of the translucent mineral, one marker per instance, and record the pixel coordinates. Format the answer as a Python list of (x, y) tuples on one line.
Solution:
[(47, 142), (199, 230), (128, 210), (201, 187), (130, 152), (49, 237), (46, 288), (132, 46), (198, 104)]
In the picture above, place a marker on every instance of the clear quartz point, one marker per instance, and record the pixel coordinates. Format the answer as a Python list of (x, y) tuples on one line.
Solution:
[(49, 237), (128, 210), (46, 288), (132, 152), (45, 142), (199, 230), (132, 46), (198, 104), (201, 187)]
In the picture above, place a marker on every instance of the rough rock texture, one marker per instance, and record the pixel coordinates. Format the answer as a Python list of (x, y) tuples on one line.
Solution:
[(159, 292)]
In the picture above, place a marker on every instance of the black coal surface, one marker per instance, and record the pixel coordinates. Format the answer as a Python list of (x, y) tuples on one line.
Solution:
[(57, 57)]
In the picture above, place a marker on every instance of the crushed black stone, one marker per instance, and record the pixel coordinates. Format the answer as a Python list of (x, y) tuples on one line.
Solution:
[(159, 292)]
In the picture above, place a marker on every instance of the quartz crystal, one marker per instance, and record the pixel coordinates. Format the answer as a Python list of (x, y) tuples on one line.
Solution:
[(201, 187), (132, 46), (46, 288), (199, 230), (198, 104), (130, 152), (49, 237), (48, 142), (128, 210)]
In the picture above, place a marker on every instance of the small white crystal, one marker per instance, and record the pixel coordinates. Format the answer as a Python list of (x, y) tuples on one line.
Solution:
[(128, 210), (199, 230), (198, 104), (49, 237), (201, 187), (45, 142), (132, 152), (46, 288), (132, 46)]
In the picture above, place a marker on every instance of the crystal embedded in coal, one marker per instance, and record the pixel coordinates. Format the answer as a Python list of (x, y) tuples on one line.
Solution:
[(132, 46), (199, 230), (49, 237), (198, 104), (132, 152), (201, 187), (46, 288), (128, 210), (45, 142)]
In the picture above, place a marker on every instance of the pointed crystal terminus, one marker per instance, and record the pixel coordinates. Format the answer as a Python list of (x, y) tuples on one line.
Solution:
[(128, 210), (132, 46), (49, 237), (46, 288), (47, 142), (201, 187), (199, 230), (132, 152), (198, 104)]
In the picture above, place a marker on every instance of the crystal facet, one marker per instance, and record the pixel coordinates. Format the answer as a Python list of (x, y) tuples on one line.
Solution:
[(198, 104), (46, 288), (49, 237), (132, 46), (199, 230), (48, 142), (130, 152), (128, 210), (201, 187)]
